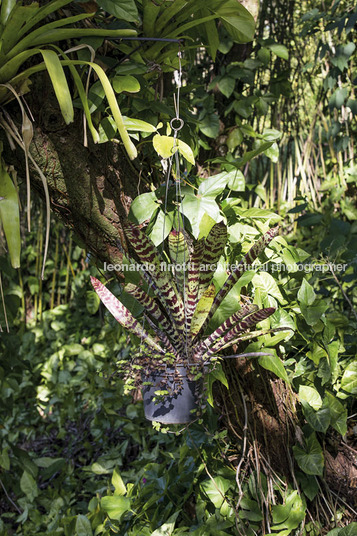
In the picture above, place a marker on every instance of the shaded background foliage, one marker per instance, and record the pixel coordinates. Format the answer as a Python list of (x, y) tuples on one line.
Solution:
[(76, 456)]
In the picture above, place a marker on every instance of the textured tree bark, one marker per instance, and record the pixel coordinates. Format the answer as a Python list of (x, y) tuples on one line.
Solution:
[(271, 422), (91, 189)]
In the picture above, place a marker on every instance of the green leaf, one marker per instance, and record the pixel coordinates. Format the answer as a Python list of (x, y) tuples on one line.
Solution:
[(338, 97), (138, 125), (279, 50), (118, 483), (10, 216), (272, 152), (92, 302), (311, 459), (167, 528), (216, 489), (338, 413), (237, 20), (143, 207), (226, 86), (202, 309), (83, 526), (122, 10), (59, 82), (235, 138), (213, 186), (306, 294), (194, 208), (115, 506), (6, 8), (166, 146), (271, 134), (274, 364), (126, 83), (318, 420), (209, 125), (28, 486), (186, 151), (349, 379), (308, 484), (295, 511), (236, 181), (281, 512), (267, 284), (314, 313), (99, 469), (4, 459), (310, 395), (161, 228), (350, 530)]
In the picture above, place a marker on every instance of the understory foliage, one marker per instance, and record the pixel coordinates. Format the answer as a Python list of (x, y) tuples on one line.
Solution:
[(268, 138)]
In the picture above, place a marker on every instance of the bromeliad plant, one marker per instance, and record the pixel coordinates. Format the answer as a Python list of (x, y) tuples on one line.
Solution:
[(185, 302)]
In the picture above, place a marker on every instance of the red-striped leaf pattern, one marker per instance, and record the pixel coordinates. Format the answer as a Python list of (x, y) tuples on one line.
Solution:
[(166, 288), (123, 315), (227, 324), (154, 310), (245, 324), (214, 249), (243, 265), (193, 281)]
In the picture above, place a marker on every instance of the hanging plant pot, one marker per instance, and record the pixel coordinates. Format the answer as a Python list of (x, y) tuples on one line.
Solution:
[(179, 398)]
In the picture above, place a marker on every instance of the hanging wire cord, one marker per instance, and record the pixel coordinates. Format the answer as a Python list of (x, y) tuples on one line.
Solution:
[(176, 125)]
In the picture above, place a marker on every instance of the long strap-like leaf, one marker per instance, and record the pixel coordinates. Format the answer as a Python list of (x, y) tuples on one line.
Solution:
[(9, 215), (168, 293), (245, 324), (193, 280), (162, 336), (241, 338), (214, 248), (243, 266), (202, 310), (225, 326), (11, 67), (180, 257), (154, 310), (123, 315)]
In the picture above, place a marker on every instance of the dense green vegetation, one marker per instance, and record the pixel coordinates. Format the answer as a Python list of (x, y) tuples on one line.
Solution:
[(268, 137)]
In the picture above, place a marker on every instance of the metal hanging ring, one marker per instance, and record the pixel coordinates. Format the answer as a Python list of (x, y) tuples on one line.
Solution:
[(180, 122)]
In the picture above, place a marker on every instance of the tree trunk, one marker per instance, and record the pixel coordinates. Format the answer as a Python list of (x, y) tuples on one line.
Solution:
[(270, 420), (90, 188)]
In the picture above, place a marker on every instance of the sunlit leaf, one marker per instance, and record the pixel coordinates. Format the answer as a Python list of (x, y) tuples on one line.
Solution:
[(9, 216), (115, 506)]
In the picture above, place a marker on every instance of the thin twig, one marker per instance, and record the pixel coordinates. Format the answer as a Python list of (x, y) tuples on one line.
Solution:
[(9, 498), (244, 448), (341, 289)]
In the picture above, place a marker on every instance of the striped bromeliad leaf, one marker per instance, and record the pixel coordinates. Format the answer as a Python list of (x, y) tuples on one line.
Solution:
[(193, 280), (123, 315), (162, 336), (243, 266), (248, 322), (166, 288), (180, 256), (227, 324), (154, 310), (242, 338), (202, 310), (214, 248)]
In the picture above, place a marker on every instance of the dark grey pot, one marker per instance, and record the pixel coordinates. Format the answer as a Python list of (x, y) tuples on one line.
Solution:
[(176, 407)]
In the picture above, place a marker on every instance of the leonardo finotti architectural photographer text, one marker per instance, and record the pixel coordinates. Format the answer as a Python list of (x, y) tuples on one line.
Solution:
[(268, 267)]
